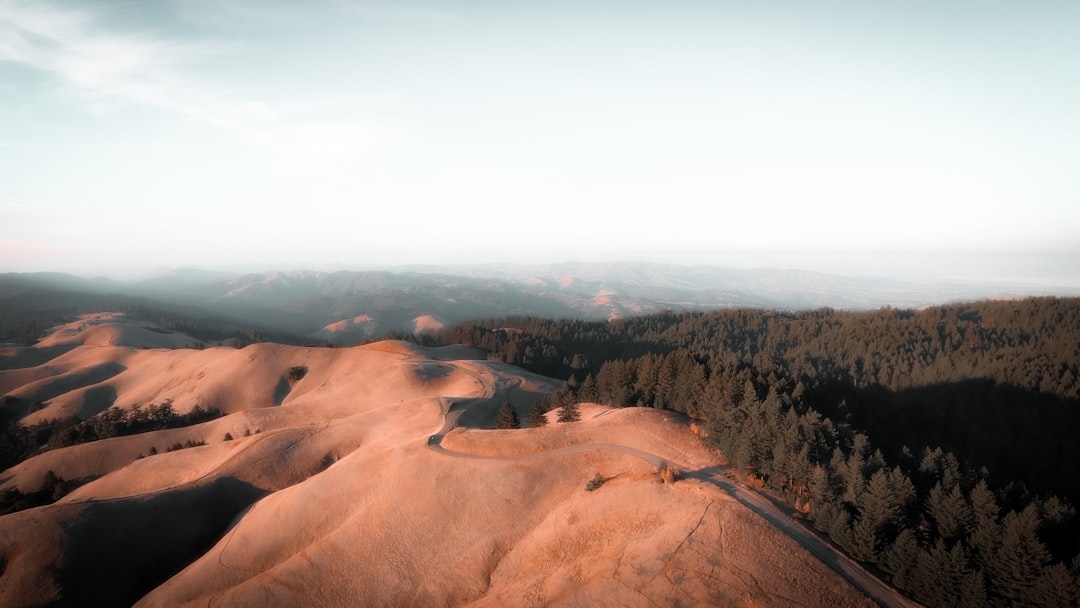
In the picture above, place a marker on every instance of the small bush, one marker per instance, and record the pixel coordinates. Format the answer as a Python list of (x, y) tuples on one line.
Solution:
[(595, 483), (190, 443), (295, 373), (228, 437), (666, 473)]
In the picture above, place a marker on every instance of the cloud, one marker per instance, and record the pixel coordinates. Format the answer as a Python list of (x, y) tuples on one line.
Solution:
[(105, 70), (104, 67)]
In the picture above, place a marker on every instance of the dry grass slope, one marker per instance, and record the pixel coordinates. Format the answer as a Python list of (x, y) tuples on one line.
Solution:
[(346, 496)]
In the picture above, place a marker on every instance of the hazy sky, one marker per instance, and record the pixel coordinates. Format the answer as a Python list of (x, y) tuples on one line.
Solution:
[(346, 133)]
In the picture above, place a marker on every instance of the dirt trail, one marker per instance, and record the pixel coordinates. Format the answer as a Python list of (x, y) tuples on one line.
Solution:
[(846, 567)]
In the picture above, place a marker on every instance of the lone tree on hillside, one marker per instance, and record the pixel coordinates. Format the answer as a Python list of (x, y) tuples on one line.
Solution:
[(570, 412), (537, 414), (508, 418)]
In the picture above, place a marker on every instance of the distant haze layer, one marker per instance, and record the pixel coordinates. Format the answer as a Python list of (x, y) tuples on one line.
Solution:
[(1057, 273), (346, 307)]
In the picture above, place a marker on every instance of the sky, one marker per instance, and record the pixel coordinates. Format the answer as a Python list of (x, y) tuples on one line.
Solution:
[(845, 137)]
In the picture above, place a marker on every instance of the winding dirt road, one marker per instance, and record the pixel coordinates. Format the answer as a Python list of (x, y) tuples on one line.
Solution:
[(843, 565)]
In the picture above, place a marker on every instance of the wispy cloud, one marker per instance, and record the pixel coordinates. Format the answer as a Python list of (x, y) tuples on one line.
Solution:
[(103, 69)]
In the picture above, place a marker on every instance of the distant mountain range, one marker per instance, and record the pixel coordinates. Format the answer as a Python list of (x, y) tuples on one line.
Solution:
[(346, 306)]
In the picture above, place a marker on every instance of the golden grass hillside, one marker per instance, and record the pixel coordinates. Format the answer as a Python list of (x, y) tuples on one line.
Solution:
[(370, 482)]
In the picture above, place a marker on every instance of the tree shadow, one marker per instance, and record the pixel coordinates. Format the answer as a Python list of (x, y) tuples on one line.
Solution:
[(281, 391), (707, 473), (61, 384), (119, 550), (475, 413), (1016, 433), (432, 370), (31, 356), (97, 399)]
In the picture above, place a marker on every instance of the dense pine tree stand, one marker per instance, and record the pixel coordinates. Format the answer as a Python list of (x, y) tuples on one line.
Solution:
[(938, 445)]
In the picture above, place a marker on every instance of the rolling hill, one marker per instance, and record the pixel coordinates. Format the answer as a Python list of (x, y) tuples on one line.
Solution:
[(369, 476)]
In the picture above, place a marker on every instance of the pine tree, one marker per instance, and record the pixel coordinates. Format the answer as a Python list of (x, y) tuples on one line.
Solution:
[(823, 515), (665, 383), (864, 539), (840, 530), (749, 395), (1056, 587), (854, 469), (613, 383), (985, 528), (903, 492), (939, 574), (507, 418), (878, 504), (984, 507), (570, 413), (742, 453), (563, 395), (579, 361), (950, 511), (538, 414), (819, 487), (588, 393), (973, 591), (900, 558), (1020, 557)]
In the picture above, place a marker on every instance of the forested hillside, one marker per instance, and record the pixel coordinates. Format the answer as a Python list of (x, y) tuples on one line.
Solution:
[(937, 445)]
